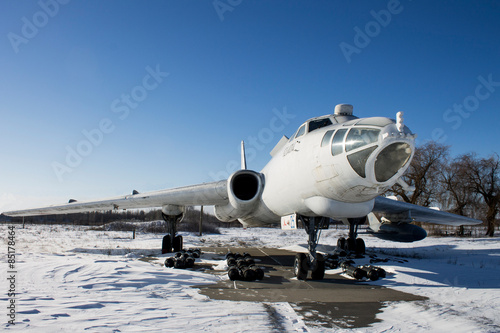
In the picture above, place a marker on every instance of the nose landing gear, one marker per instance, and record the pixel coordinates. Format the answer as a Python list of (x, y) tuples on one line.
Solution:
[(312, 261), (352, 243), (315, 262)]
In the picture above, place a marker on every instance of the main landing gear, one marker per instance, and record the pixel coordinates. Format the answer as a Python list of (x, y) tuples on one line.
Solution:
[(172, 241), (352, 243), (313, 261)]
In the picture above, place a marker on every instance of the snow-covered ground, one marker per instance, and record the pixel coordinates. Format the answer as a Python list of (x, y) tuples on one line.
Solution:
[(71, 278)]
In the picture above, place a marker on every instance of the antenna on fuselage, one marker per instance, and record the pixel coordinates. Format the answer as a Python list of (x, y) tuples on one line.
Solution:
[(243, 156)]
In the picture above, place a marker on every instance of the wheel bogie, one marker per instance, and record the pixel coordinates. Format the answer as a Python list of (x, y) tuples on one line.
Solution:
[(318, 273), (300, 266)]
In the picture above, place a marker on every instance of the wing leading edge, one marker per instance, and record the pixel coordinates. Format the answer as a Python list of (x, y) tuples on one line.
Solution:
[(406, 211), (203, 194)]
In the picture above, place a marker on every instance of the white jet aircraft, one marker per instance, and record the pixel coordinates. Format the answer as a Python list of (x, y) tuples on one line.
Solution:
[(334, 167)]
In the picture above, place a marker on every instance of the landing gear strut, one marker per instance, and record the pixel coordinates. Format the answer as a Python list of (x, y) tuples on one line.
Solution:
[(312, 261), (172, 240), (352, 243)]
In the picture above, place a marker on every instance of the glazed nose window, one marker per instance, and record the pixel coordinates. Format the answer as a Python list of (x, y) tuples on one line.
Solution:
[(358, 160), (390, 160), (359, 137)]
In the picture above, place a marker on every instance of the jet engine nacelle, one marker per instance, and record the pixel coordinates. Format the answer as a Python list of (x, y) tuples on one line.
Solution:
[(400, 232), (174, 210), (244, 189)]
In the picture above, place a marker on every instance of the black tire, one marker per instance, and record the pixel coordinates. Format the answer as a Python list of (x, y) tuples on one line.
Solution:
[(299, 266), (166, 246), (381, 272), (248, 274), (196, 253), (233, 273), (341, 243), (180, 263), (360, 246), (177, 243), (351, 244), (372, 274), (319, 272), (259, 273), (189, 262), (169, 262), (241, 263)]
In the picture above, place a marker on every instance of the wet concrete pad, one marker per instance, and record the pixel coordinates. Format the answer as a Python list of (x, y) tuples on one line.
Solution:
[(334, 301)]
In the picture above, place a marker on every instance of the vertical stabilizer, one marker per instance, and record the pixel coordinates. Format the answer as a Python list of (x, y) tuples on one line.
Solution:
[(243, 156)]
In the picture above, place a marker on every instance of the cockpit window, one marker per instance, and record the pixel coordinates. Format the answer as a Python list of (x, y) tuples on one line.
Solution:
[(326, 138), (375, 121), (338, 142), (301, 131), (315, 124), (359, 137)]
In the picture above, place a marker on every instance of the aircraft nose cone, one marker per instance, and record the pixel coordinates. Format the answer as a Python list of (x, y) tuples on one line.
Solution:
[(391, 159)]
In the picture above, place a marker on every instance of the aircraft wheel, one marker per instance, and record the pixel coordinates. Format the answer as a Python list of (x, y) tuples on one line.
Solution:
[(177, 243), (298, 267), (341, 243), (360, 246), (319, 272), (166, 246), (351, 245)]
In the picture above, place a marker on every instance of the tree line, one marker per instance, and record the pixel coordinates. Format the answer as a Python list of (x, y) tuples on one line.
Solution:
[(466, 185), (189, 223)]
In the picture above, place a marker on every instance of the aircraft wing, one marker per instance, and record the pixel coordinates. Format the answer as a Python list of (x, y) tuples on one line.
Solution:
[(403, 211), (204, 194)]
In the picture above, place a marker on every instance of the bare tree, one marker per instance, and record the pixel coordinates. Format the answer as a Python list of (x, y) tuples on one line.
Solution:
[(424, 174), (483, 177), (457, 196)]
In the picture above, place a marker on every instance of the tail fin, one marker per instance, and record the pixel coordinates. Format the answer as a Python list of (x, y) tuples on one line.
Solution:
[(243, 156)]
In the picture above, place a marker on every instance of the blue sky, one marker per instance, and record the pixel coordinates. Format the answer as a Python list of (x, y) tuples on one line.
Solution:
[(159, 94)]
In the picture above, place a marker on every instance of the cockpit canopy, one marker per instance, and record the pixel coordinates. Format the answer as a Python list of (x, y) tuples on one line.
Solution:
[(320, 122), (360, 138)]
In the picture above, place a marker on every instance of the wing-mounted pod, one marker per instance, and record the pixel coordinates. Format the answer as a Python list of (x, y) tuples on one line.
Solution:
[(244, 188), (174, 211), (400, 231)]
